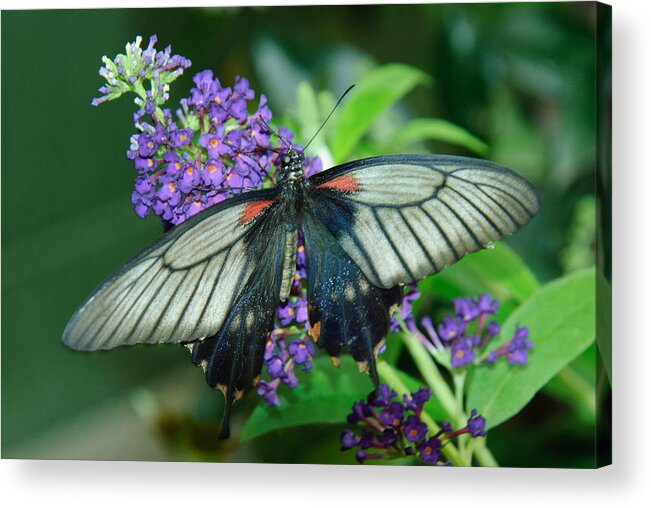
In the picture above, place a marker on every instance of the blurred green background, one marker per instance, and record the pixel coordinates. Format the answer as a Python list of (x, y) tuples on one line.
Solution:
[(518, 76)]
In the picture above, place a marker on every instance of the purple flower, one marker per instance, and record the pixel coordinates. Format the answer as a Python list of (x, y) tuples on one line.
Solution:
[(417, 400), (301, 350), (487, 305), (268, 392), (515, 350), (493, 328), (406, 304), (146, 145), (289, 311), (241, 94), (388, 439), (391, 416), (348, 439), (202, 95), (360, 412), (189, 179), (168, 192), (367, 440), (466, 309), (476, 424), (214, 144), (180, 138), (450, 329), (144, 185), (276, 367), (461, 354), (213, 173), (430, 450), (286, 312), (300, 256), (161, 136), (301, 310), (144, 164), (234, 180), (384, 396), (446, 427), (415, 429)]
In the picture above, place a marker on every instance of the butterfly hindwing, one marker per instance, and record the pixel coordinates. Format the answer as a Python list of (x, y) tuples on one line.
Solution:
[(346, 311), (232, 358), (404, 217), (182, 287)]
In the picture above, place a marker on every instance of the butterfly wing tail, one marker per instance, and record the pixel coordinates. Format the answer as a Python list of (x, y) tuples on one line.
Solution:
[(232, 359)]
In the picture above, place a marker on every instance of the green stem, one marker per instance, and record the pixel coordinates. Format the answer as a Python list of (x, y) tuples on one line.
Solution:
[(482, 453), (459, 378), (390, 377), (430, 372)]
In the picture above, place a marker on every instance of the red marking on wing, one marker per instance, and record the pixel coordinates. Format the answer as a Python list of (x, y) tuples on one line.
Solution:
[(253, 209), (342, 183)]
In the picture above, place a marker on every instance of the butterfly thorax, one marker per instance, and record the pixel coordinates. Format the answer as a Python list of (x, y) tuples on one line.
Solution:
[(291, 179)]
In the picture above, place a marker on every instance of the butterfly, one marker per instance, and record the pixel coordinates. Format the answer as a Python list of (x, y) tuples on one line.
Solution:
[(368, 227)]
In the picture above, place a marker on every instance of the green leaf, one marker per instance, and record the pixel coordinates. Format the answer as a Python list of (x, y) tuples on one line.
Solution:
[(498, 271), (324, 395), (307, 115), (378, 90), (514, 141), (435, 129), (393, 349), (605, 323), (561, 321)]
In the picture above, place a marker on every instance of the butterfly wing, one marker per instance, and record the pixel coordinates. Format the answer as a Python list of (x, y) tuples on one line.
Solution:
[(403, 217), (182, 287), (345, 309)]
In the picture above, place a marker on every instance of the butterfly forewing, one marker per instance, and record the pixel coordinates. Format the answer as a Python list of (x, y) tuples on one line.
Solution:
[(404, 217), (182, 287)]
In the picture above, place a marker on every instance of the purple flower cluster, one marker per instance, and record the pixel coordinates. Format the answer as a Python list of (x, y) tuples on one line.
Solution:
[(213, 150), (392, 428), (467, 334), (515, 350), (280, 358)]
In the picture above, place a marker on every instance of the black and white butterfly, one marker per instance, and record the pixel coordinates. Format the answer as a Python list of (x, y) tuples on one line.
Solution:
[(369, 227)]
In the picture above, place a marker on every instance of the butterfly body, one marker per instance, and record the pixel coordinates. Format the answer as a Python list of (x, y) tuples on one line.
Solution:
[(368, 227)]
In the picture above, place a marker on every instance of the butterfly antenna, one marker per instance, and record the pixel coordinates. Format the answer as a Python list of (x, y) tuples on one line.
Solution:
[(329, 115), (282, 138)]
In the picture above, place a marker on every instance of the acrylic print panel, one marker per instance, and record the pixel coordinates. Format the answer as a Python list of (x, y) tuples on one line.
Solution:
[(336, 311)]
